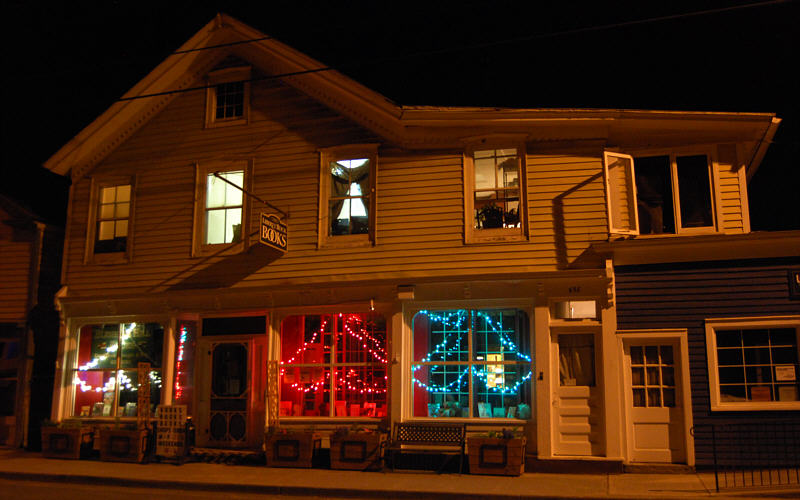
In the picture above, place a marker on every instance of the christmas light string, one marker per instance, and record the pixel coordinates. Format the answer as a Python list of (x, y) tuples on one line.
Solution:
[(179, 365), (363, 337), (455, 321)]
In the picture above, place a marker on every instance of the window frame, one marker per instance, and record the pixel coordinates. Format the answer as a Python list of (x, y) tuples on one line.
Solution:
[(498, 235), (68, 408), (200, 247), (333, 364), (713, 179), (326, 156), (746, 323), (407, 375), (97, 185), (227, 75)]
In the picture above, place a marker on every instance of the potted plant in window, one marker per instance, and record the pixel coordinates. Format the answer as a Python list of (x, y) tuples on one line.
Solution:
[(70, 439), (490, 216), (291, 448), (123, 443), (357, 448), (497, 452)]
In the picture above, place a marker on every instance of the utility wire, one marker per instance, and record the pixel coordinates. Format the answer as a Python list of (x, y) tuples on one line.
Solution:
[(450, 50)]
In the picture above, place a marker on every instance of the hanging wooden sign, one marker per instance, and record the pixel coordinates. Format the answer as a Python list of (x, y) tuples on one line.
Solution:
[(143, 413), (274, 233)]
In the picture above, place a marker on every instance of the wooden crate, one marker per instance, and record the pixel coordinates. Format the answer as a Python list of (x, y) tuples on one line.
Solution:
[(292, 448), (123, 445), (496, 456), (357, 451), (66, 442)]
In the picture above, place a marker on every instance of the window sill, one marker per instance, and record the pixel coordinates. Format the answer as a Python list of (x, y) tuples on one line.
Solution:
[(227, 123), (110, 258), (495, 236), (473, 420), (219, 249), (346, 241), (765, 406), (684, 233)]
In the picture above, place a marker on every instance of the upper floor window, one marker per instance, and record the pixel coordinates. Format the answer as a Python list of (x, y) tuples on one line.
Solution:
[(228, 97), (109, 231), (754, 363), (673, 193), (494, 194), (222, 208), (347, 195), (670, 193), (113, 212)]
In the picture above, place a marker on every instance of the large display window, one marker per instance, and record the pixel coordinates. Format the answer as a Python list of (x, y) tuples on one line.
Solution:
[(472, 364), (106, 377), (333, 365)]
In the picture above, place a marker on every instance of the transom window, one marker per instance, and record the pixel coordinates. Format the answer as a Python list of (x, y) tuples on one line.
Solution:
[(333, 365), (496, 189), (106, 376), (349, 201), (113, 213), (471, 363), (224, 207), (673, 193)]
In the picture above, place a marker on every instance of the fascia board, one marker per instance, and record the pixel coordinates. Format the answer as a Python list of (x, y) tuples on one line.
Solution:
[(758, 245)]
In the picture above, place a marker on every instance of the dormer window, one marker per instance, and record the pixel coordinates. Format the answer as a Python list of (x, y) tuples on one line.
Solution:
[(228, 97)]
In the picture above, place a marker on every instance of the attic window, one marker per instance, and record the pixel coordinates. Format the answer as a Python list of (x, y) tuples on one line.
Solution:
[(228, 97)]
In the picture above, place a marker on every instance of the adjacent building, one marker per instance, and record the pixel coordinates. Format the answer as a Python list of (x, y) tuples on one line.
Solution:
[(284, 246)]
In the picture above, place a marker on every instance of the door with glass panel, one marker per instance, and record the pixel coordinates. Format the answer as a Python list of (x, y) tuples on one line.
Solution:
[(231, 401), (578, 407), (656, 425)]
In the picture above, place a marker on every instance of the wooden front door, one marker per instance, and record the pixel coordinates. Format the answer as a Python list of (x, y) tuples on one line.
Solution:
[(655, 401), (579, 410), (231, 404)]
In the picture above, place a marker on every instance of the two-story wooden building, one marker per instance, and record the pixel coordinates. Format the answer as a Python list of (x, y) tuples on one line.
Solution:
[(441, 263)]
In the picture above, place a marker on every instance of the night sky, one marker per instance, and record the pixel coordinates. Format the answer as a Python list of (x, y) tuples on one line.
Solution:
[(66, 62)]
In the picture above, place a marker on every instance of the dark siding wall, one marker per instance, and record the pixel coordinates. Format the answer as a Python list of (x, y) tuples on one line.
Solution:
[(683, 296)]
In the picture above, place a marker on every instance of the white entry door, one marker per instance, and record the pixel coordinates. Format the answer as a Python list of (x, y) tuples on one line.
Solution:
[(655, 401), (579, 409)]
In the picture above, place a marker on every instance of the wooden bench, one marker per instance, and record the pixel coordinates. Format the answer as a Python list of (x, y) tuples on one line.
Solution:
[(428, 438)]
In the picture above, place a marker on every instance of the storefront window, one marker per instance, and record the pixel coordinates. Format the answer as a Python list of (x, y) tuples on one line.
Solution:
[(106, 378), (343, 355), (184, 365), (472, 363)]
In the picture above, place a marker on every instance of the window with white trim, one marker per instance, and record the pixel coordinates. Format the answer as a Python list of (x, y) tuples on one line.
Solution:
[(109, 233), (471, 363), (228, 97), (494, 198), (661, 193), (754, 364), (222, 207), (347, 195), (105, 376)]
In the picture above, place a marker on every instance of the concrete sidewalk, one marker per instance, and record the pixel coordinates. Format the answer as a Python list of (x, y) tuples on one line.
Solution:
[(15, 464)]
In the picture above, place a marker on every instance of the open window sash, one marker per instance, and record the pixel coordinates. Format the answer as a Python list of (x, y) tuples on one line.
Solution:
[(623, 217)]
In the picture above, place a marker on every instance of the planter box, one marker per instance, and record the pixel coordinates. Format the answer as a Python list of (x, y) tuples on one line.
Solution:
[(71, 442), (358, 451), (120, 445), (497, 456), (292, 449)]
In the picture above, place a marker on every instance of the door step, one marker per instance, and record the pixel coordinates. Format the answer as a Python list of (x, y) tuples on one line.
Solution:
[(227, 456), (656, 468)]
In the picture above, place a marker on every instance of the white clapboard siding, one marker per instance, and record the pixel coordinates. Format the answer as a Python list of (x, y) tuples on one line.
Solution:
[(420, 200)]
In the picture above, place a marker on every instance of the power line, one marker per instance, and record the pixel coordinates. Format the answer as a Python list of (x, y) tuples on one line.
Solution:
[(450, 50)]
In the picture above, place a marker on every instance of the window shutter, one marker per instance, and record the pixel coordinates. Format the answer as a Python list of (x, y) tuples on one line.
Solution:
[(623, 219)]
